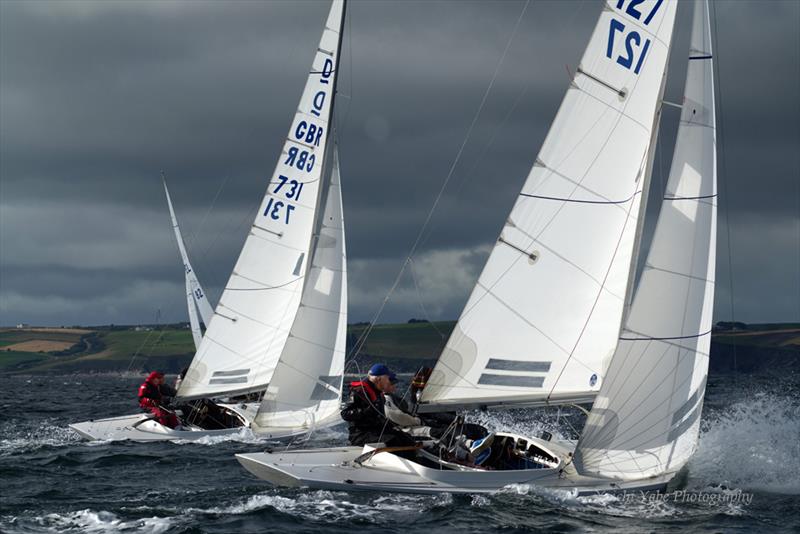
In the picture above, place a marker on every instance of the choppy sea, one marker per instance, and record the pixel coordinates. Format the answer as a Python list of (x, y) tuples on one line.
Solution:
[(745, 476)]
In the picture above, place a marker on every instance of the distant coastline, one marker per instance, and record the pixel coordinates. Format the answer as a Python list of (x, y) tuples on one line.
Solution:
[(406, 346)]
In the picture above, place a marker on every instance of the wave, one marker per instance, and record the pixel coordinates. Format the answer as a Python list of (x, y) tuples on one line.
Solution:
[(751, 444), (88, 521), (27, 437)]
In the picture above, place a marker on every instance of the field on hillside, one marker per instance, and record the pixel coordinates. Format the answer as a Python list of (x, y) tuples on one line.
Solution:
[(403, 346), (407, 340)]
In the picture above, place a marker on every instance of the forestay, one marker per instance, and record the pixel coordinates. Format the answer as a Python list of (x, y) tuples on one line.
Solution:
[(646, 417), (543, 319), (306, 386), (195, 295), (257, 308)]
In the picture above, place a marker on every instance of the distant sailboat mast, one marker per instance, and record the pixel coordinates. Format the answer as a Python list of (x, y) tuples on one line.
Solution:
[(195, 295)]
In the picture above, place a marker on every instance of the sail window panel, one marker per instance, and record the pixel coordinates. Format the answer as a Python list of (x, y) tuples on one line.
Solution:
[(688, 255)]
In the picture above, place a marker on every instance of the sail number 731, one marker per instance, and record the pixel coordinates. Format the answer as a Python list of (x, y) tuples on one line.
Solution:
[(634, 47), (278, 209)]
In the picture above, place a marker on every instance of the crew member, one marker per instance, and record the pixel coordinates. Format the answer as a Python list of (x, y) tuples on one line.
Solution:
[(364, 412), (153, 395), (400, 409)]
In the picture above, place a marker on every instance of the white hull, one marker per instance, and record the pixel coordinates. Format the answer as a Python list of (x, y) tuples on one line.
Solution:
[(336, 469), (141, 428)]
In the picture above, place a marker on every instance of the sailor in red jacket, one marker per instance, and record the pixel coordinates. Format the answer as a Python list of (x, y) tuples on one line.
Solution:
[(152, 395)]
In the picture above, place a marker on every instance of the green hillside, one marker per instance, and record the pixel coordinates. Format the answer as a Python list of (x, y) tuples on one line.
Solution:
[(404, 346)]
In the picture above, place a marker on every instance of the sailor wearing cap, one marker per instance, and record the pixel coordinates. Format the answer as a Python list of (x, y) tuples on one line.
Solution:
[(365, 414)]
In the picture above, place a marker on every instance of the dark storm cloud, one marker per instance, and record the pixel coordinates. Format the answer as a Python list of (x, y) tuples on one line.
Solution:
[(97, 98)]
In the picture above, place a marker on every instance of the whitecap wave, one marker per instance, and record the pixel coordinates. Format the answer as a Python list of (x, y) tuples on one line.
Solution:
[(752, 444), (27, 437), (90, 521), (328, 506)]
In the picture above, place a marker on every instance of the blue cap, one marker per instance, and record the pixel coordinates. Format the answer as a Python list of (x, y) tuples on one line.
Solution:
[(380, 369)]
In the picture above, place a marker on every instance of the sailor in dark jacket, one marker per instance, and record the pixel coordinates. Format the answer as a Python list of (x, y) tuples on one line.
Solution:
[(364, 412)]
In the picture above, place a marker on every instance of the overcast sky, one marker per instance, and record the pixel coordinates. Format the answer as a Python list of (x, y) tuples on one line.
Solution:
[(97, 98)]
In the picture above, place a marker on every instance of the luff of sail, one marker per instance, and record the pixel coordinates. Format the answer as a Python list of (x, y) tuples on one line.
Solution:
[(646, 417), (257, 308), (195, 295), (543, 319), (306, 386)]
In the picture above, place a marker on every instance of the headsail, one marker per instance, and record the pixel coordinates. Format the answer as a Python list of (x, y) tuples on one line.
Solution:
[(256, 311), (646, 417), (195, 295), (307, 382), (543, 319)]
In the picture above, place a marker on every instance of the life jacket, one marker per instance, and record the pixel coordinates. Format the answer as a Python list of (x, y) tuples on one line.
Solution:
[(149, 394), (368, 388)]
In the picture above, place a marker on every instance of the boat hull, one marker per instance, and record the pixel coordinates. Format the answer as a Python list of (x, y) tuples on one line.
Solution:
[(142, 428), (336, 469)]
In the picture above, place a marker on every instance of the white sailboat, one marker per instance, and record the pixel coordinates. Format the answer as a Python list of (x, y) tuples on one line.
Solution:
[(279, 327), (554, 318), (196, 300)]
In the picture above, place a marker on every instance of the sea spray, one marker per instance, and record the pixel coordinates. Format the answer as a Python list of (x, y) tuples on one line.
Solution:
[(752, 444)]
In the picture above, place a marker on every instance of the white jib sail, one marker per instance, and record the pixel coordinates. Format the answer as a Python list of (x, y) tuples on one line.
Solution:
[(543, 319), (195, 295), (306, 386), (646, 417), (257, 308)]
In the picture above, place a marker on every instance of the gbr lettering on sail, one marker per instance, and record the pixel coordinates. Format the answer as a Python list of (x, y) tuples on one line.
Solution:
[(626, 45), (300, 158)]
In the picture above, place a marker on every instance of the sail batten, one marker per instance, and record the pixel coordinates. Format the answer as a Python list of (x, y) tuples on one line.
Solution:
[(553, 288), (262, 296), (645, 420)]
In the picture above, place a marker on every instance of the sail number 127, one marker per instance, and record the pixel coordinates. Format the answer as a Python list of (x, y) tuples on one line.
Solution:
[(635, 48)]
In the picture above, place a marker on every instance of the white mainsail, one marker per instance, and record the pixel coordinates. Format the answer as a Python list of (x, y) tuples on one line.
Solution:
[(258, 306), (195, 295), (646, 417), (543, 320), (306, 386)]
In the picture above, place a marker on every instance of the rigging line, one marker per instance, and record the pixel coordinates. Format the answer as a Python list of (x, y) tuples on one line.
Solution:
[(721, 148), (197, 232), (444, 184), (691, 198), (594, 304), (560, 199), (468, 175), (488, 290), (421, 303), (665, 338)]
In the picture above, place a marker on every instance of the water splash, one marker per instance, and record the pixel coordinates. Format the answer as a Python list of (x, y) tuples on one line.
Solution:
[(752, 444)]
